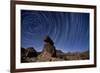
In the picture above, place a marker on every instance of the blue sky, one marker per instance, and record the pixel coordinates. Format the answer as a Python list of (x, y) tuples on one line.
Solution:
[(68, 30)]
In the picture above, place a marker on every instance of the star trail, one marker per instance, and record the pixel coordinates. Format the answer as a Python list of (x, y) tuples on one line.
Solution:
[(68, 30)]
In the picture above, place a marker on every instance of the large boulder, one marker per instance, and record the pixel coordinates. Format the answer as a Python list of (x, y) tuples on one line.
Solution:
[(49, 46), (48, 51)]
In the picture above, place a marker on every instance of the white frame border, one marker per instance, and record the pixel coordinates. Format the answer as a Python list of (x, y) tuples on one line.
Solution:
[(58, 63)]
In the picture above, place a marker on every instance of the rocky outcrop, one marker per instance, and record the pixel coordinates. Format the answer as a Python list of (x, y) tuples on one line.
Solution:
[(28, 54), (48, 51), (31, 52)]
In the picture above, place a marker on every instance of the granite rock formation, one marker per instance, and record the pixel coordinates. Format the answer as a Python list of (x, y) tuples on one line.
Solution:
[(49, 50)]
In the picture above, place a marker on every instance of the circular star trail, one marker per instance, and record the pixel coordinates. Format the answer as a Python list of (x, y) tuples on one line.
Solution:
[(68, 30)]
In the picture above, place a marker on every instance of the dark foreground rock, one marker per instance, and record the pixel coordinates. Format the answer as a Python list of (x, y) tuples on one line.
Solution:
[(27, 54)]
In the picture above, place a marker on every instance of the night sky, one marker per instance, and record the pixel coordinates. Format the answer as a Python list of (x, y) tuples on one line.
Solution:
[(68, 30)]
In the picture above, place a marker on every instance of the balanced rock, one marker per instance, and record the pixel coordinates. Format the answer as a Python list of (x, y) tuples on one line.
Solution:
[(48, 51)]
